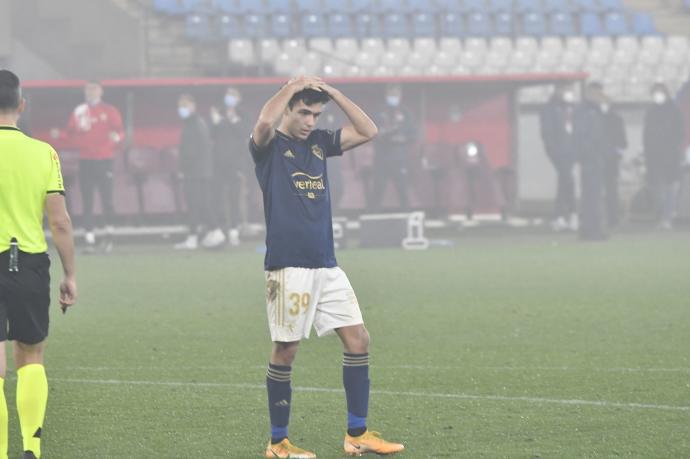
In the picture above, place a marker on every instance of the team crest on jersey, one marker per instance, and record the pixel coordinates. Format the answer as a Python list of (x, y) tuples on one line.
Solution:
[(318, 152), (289, 154)]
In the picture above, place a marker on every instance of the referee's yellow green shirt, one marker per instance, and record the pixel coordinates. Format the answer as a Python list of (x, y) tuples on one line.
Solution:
[(29, 171)]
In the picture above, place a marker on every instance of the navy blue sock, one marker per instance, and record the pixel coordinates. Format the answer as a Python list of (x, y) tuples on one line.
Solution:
[(279, 397), (356, 382)]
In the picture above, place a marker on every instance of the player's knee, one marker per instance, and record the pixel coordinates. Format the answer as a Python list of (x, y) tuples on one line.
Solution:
[(26, 354), (284, 353)]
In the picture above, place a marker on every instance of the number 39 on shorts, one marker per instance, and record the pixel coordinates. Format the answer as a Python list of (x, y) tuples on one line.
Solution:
[(300, 303)]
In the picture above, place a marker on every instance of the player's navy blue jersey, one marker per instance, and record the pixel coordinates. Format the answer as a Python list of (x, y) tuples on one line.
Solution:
[(297, 204)]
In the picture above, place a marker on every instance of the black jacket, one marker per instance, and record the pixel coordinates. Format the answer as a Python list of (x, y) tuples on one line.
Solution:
[(615, 136), (590, 134), (558, 142), (196, 157), (230, 146), (664, 141)]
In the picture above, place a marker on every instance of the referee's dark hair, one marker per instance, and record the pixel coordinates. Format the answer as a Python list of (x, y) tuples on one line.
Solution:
[(309, 96), (10, 91)]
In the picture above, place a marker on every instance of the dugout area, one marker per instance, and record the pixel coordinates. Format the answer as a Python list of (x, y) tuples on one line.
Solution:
[(456, 111)]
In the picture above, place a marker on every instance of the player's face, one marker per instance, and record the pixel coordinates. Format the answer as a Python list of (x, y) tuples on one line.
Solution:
[(302, 119), (93, 93)]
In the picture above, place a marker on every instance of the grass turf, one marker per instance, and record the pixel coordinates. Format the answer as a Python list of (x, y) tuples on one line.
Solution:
[(493, 348)]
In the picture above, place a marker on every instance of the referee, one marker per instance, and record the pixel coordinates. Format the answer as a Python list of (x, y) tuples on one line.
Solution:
[(30, 181)]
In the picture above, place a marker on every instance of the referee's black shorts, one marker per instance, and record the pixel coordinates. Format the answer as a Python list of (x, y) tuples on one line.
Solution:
[(24, 298)]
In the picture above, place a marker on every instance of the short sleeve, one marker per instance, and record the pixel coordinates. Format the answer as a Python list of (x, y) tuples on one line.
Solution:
[(259, 154), (331, 140), (55, 182)]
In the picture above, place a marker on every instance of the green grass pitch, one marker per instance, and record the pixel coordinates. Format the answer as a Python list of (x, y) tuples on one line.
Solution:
[(526, 347)]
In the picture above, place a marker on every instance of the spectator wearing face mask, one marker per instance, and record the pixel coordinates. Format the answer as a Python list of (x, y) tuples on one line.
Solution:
[(398, 132), (664, 143), (231, 170), (195, 171), (616, 141), (556, 123)]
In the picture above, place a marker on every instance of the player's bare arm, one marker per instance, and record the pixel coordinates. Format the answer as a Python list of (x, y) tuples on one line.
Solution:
[(361, 130), (270, 114), (61, 229)]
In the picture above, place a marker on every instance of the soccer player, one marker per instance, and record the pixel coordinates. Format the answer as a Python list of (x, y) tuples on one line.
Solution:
[(305, 286), (30, 181)]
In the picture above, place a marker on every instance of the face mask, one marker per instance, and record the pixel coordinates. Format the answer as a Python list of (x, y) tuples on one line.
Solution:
[(569, 97), (659, 98), (393, 101), (184, 112), (231, 100)]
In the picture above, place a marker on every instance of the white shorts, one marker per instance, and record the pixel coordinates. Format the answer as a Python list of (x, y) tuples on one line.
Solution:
[(299, 298)]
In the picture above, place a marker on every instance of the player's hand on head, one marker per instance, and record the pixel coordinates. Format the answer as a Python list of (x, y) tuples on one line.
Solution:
[(68, 293), (304, 82)]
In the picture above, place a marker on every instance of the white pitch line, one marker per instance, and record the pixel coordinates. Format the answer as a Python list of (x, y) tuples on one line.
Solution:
[(575, 402)]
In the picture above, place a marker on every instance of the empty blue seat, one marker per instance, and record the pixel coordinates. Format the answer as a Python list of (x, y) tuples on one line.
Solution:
[(558, 6), (562, 24), (281, 26), (616, 24), (309, 6), (588, 6), (277, 6), (198, 6), (337, 6), (643, 24), (170, 6), (340, 25), (388, 6), (479, 24), (225, 6), (395, 25), (254, 25), (500, 6), (314, 25), (534, 24), (612, 5), (452, 24), (423, 25), (422, 6), (198, 27), (230, 26), (528, 6), (590, 24), (503, 24), (445, 6), (360, 6)]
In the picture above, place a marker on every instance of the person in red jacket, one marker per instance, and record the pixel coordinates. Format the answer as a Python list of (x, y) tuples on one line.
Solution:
[(96, 129)]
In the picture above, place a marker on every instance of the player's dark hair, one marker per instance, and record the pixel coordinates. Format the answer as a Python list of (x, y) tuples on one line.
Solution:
[(310, 97), (10, 91)]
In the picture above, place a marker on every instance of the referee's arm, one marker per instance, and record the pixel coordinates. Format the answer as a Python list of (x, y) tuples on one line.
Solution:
[(61, 229)]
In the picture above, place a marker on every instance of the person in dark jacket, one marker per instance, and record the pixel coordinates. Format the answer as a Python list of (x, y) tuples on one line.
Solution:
[(616, 143), (398, 133), (196, 170), (664, 140), (591, 146), (556, 123), (231, 170)]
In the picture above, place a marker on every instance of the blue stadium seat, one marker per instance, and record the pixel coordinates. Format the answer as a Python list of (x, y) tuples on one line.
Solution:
[(360, 6), (388, 6), (504, 24), (340, 25), (562, 24), (528, 6), (281, 26), (449, 6), (198, 27), (395, 25), (309, 6), (612, 5), (616, 24), (643, 24), (501, 6), (423, 25), (470, 6), (558, 6), (198, 6), (277, 6), (687, 5), (588, 6), (249, 6), (479, 24), (337, 6), (170, 6), (422, 6), (225, 6), (590, 24), (254, 25), (314, 25), (366, 25), (230, 26), (534, 24), (452, 24)]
